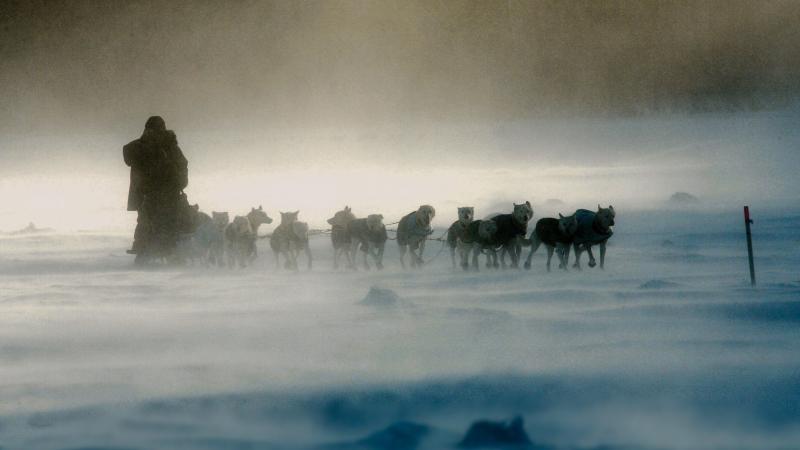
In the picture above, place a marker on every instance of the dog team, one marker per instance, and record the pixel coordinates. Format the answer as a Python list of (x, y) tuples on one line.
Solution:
[(219, 241)]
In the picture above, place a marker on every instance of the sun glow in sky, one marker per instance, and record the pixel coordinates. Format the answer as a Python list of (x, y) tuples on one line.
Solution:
[(724, 160)]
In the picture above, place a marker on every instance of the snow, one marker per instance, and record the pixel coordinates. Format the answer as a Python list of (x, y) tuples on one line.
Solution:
[(667, 348)]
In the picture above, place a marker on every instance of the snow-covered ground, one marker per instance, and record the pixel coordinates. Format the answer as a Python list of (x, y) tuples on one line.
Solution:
[(668, 348)]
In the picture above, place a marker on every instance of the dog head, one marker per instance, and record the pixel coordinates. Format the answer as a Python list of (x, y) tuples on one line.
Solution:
[(605, 217), (259, 216), (287, 218), (523, 213), (220, 219), (342, 218), (487, 229), (466, 214), (425, 215), (375, 222), (568, 225)]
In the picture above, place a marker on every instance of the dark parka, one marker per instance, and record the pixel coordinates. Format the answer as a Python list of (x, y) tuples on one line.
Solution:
[(157, 165)]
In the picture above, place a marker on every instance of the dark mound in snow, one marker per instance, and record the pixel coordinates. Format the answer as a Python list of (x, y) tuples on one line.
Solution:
[(398, 436), (658, 284), (383, 298), (683, 198), (488, 434)]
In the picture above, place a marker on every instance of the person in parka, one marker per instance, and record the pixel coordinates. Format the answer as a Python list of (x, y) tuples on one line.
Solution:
[(159, 173)]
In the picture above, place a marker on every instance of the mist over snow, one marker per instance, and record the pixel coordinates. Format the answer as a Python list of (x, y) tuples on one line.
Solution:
[(668, 348)]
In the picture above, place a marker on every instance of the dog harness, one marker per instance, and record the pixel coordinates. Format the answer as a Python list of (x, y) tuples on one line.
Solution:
[(409, 227)]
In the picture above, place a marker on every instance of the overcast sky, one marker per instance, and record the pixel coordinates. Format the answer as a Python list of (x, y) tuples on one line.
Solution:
[(93, 65)]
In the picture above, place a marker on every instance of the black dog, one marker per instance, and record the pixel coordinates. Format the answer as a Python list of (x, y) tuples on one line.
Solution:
[(553, 233)]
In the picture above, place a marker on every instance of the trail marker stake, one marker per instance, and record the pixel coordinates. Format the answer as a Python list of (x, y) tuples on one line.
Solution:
[(747, 222)]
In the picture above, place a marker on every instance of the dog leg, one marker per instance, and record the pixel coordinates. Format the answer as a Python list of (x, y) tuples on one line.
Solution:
[(602, 254), (491, 258), (363, 250), (376, 252), (453, 256), (379, 256), (515, 251), (372, 253), (254, 253), (293, 255), (352, 254), (231, 257), (535, 243), (290, 255), (463, 254), (476, 250), (577, 249), (403, 256), (421, 249), (416, 258), (550, 249), (307, 249), (592, 261), (563, 255), (364, 257)]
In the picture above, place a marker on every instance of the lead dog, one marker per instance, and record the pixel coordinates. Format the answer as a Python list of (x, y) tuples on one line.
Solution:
[(240, 237), (458, 231), (369, 236), (511, 231), (412, 231), (594, 228), (554, 234)]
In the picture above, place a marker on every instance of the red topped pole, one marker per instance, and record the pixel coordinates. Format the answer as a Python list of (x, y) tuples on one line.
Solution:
[(747, 222)]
